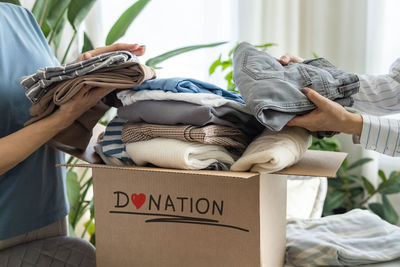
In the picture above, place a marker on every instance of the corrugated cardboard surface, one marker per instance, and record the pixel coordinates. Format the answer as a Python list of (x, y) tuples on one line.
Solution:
[(314, 163), (273, 189), (144, 235)]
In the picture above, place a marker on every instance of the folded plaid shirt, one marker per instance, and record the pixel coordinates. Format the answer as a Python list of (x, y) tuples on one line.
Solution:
[(227, 137)]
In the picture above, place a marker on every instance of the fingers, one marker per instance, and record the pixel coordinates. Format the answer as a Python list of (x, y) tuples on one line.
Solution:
[(316, 98), (140, 51), (300, 121), (136, 49), (287, 58)]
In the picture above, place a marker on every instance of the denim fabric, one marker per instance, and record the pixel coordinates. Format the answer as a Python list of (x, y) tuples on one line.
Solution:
[(187, 85), (272, 91)]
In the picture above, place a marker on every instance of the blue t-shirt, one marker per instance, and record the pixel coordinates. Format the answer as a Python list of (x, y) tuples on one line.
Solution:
[(32, 194)]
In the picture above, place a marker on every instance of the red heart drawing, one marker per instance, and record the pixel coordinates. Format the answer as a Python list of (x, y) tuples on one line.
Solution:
[(138, 200)]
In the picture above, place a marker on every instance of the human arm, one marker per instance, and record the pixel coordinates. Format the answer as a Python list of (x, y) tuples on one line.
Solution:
[(19, 145), (378, 134)]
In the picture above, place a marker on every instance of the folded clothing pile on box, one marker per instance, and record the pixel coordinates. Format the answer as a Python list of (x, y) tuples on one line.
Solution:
[(189, 124)]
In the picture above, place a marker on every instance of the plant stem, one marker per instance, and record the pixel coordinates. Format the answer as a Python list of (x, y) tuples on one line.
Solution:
[(57, 25), (87, 227), (368, 198), (43, 13), (83, 175), (69, 47)]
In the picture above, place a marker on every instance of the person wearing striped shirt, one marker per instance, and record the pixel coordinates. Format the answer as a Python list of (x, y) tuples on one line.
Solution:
[(379, 95)]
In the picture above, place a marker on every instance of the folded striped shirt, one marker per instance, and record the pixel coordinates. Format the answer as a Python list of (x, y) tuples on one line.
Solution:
[(111, 142), (37, 84), (354, 238)]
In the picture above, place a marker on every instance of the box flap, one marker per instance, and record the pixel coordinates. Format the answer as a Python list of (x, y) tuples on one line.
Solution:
[(245, 175), (317, 163), (314, 163)]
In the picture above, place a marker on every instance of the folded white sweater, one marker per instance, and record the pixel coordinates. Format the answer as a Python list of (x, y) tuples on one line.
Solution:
[(173, 153), (274, 151), (128, 97)]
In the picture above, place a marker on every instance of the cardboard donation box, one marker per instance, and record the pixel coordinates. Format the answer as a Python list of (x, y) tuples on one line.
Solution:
[(163, 217)]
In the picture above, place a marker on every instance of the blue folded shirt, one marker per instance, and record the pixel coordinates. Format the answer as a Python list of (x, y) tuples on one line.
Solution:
[(188, 85)]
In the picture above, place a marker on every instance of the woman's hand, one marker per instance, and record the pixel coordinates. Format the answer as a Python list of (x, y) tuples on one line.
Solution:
[(285, 59), (329, 116), (135, 49), (86, 98)]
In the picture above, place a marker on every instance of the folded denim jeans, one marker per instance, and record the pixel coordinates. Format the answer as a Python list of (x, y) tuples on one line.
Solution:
[(272, 91)]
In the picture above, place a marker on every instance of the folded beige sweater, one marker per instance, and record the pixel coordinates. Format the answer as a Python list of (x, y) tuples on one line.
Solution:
[(274, 151)]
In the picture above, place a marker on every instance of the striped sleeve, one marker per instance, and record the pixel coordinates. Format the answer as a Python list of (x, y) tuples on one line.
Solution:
[(379, 94), (381, 135)]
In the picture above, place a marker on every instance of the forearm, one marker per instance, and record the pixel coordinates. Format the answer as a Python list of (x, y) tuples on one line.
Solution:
[(352, 124), (381, 135), (379, 94), (17, 146)]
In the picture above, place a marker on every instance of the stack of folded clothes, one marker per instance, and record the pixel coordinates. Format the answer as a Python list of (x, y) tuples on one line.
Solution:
[(52, 87), (188, 124), (180, 123)]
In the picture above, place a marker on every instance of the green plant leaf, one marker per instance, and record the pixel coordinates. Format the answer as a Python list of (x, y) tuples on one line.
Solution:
[(124, 21), (368, 186), (87, 44), (357, 191), (73, 192), (93, 239), (214, 65), (376, 208), (395, 175), (153, 62), (78, 10), (15, 2), (41, 10), (58, 9), (354, 179), (390, 215), (336, 183), (382, 175), (265, 46), (58, 34), (333, 200), (232, 50), (315, 55), (358, 163), (390, 189)]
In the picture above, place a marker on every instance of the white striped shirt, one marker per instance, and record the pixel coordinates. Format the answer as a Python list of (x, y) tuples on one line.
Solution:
[(380, 95)]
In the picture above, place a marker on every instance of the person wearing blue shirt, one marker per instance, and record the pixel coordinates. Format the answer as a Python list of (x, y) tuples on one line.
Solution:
[(33, 202)]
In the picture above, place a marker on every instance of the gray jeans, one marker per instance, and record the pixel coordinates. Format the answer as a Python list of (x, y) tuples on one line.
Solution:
[(272, 91), (59, 228)]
